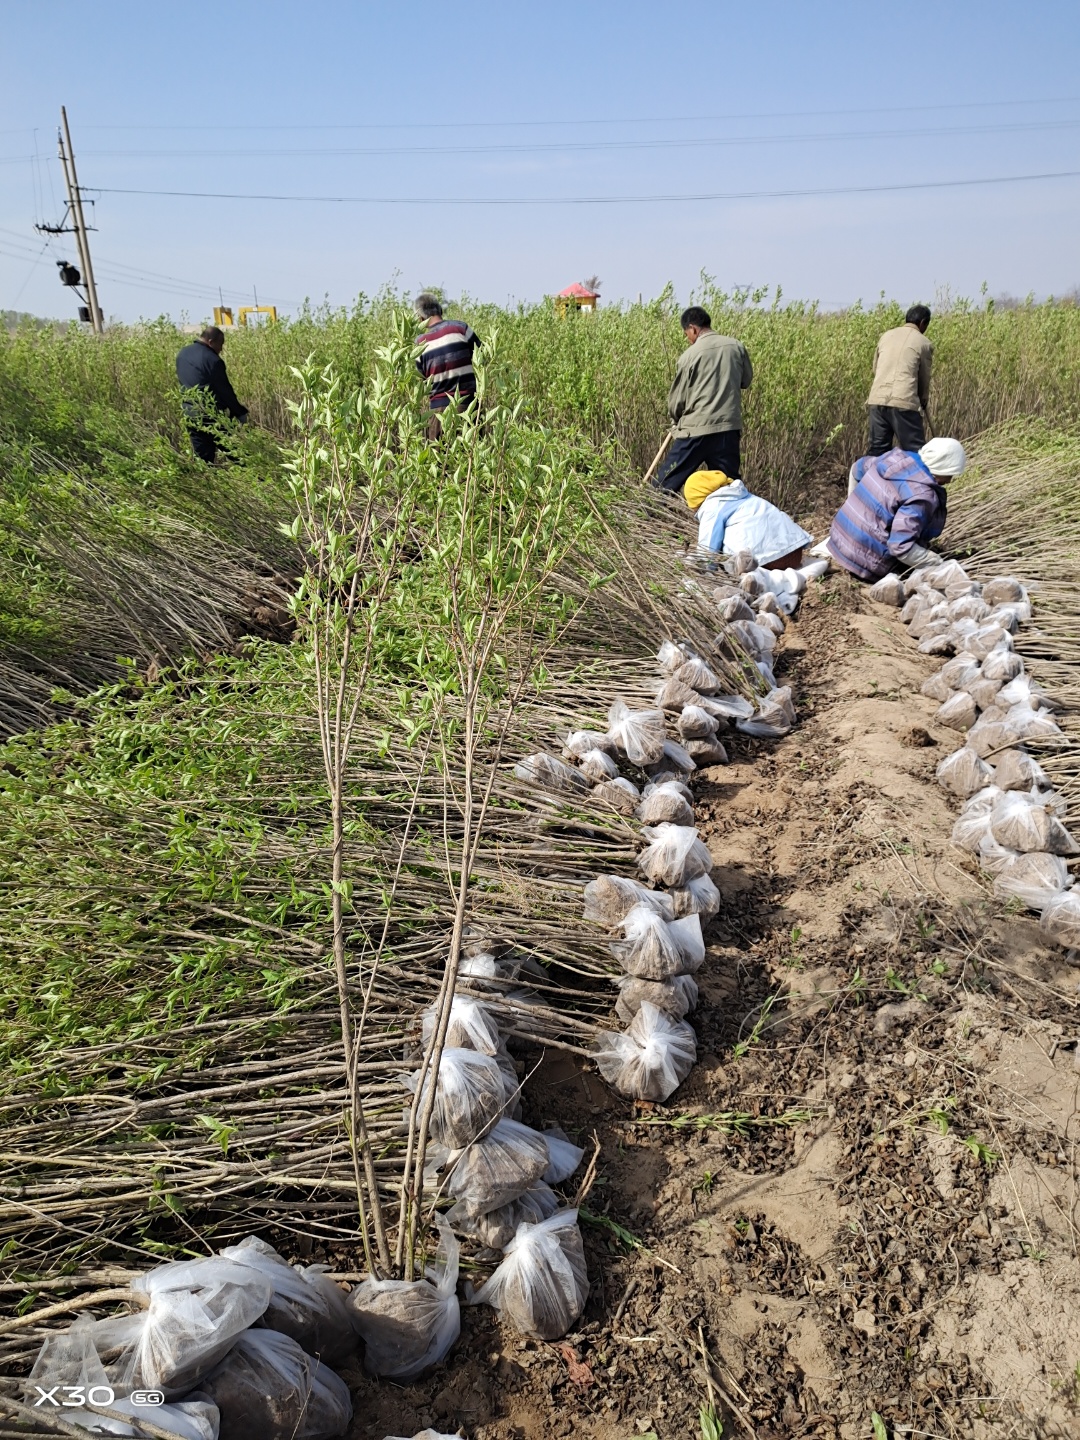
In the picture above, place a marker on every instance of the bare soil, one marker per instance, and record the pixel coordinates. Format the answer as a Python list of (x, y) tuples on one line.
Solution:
[(865, 1197)]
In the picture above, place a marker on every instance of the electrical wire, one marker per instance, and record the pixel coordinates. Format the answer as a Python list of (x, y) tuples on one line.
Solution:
[(505, 200)]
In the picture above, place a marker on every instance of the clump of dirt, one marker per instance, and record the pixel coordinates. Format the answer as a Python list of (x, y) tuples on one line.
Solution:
[(864, 1199)]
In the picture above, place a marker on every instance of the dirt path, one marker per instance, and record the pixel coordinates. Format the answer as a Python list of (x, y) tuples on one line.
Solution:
[(873, 1204)]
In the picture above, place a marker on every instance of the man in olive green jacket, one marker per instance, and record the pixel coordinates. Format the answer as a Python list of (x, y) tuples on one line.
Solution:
[(705, 403), (901, 387)]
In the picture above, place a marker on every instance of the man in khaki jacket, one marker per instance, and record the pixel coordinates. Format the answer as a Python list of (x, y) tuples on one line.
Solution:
[(705, 403), (901, 388)]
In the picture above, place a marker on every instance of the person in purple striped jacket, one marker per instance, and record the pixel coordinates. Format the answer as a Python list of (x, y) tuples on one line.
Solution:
[(445, 360), (895, 507)]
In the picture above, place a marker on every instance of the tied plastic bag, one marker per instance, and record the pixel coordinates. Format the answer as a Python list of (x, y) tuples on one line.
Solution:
[(755, 639), (639, 734), (1060, 919), (1031, 726), (609, 898), (329, 1408), (948, 572), (1003, 590), (768, 604), (770, 621), (707, 752), (674, 695), (968, 607), (654, 949), (621, 794), (969, 830), (509, 1160), (936, 687), (471, 1026), (409, 1325), (1024, 823), (550, 774), (564, 1156), (1002, 665), (673, 653), (698, 676), (959, 712), (963, 772), (262, 1388), (695, 723), (735, 607), (597, 767), (651, 1059), (914, 604), (984, 692), (1033, 879), (497, 1228), (674, 855), (699, 897), (939, 642), (304, 1304), (889, 590), (775, 716), (542, 1284), (665, 803), (673, 757), (1022, 691), (728, 707), (470, 1094), (197, 1309), (580, 742), (987, 638), (676, 997), (989, 735), (961, 669), (1017, 770)]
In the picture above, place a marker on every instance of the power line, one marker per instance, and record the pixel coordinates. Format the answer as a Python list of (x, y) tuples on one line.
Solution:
[(565, 147), (503, 200)]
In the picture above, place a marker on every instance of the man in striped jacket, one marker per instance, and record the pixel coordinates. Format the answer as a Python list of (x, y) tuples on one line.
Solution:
[(445, 360), (895, 507)]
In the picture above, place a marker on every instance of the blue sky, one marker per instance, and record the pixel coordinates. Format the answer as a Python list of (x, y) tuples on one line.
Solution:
[(502, 102)]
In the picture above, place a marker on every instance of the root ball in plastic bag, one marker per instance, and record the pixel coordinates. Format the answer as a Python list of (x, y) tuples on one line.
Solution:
[(542, 1284), (651, 1059)]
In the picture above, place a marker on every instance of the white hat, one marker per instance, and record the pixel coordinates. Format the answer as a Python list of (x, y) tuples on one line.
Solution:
[(942, 456)]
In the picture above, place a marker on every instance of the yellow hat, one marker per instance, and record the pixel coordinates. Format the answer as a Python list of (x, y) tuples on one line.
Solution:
[(702, 484)]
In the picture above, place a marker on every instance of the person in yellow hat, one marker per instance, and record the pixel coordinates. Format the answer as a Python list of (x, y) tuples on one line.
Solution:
[(731, 518)]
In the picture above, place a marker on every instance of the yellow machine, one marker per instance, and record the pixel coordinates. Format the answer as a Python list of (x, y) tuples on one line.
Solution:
[(223, 315)]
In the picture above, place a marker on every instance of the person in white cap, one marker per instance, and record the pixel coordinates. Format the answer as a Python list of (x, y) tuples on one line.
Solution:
[(895, 506)]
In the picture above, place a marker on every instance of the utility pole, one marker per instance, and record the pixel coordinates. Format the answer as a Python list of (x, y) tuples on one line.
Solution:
[(67, 159)]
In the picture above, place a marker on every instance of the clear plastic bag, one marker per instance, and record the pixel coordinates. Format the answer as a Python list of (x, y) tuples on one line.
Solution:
[(774, 718), (1002, 665), (963, 772), (959, 712), (889, 590), (768, 604), (550, 774), (707, 752), (770, 621), (674, 695), (1060, 919), (672, 654), (580, 742), (654, 949), (564, 1156), (329, 1408), (470, 1094), (1021, 690), (969, 829), (1033, 879), (936, 687), (304, 1304), (986, 639), (728, 707), (939, 641), (542, 1284), (960, 670), (990, 735), (755, 639), (651, 1059), (497, 1228), (1017, 770), (674, 855), (639, 734), (621, 794), (676, 997), (735, 607), (1031, 727), (968, 607), (914, 604), (409, 1325), (698, 676), (994, 858), (197, 1309), (665, 803), (1003, 590), (1020, 822), (609, 898), (948, 572), (472, 1026), (597, 767), (262, 1387), (509, 1160), (698, 897), (984, 692), (695, 723)]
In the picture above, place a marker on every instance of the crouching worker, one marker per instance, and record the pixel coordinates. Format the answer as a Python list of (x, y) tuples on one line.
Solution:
[(895, 507), (730, 519)]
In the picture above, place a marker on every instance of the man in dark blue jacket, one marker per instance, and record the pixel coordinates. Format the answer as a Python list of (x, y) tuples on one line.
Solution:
[(207, 391)]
